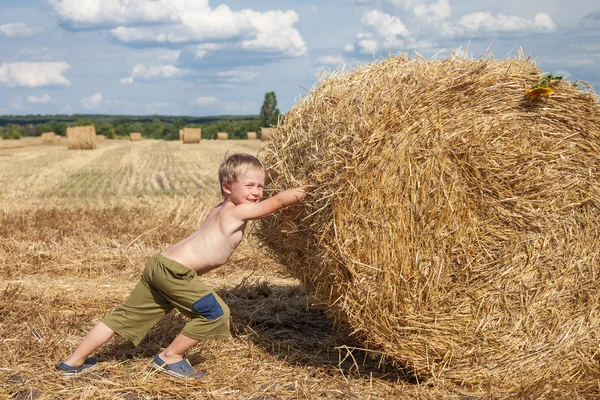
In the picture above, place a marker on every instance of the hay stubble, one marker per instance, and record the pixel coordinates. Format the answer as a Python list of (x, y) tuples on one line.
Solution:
[(75, 231)]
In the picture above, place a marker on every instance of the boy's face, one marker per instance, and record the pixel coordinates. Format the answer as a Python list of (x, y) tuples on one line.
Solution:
[(247, 189)]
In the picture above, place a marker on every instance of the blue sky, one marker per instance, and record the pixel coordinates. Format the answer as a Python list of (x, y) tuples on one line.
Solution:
[(200, 57)]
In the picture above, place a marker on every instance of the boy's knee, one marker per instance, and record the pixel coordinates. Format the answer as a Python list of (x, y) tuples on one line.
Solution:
[(211, 307), (215, 322)]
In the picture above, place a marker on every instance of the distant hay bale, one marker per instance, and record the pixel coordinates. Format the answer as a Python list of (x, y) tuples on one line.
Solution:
[(222, 136), (453, 223), (251, 135), (100, 138), (135, 136), (81, 137), (48, 137), (266, 134), (192, 135), (181, 134)]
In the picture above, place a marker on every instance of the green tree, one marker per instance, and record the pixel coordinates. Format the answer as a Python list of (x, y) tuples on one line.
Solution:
[(136, 127), (13, 132), (154, 130), (269, 113), (84, 122), (106, 129)]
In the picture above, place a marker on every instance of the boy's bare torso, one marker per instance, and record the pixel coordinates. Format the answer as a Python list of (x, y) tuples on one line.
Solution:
[(210, 246)]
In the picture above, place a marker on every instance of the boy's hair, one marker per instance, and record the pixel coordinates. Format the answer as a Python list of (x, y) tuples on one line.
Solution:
[(234, 165)]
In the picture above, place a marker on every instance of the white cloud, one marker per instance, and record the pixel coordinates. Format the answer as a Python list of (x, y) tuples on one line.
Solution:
[(205, 101), (169, 55), (237, 76), (20, 29), (150, 35), (331, 60), (66, 109), (274, 32), (327, 63), (180, 22), (387, 26), (90, 14), (434, 12), (486, 23), (33, 74), (142, 73), (93, 101), (366, 43), (204, 48), (423, 10), (43, 99)]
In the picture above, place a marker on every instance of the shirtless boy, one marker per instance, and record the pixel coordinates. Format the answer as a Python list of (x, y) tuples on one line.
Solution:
[(170, 279)]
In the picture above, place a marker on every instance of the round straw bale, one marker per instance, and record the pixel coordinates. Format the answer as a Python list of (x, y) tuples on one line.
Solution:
[(222, 136), (48, 137), (81, 137), (266, 133), (100, 138), (251, 135), (135, 136), (181, 134), (453, 223), (192, 135)]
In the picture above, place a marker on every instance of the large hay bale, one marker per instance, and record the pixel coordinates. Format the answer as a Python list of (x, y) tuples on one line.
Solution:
[(454, 223), (135, 136), (266, 134), (222, 136), (48, 137), (251, 135), (192, 135), (81, 137)]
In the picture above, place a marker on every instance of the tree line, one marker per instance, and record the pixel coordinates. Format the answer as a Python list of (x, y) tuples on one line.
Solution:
[(158, 127)]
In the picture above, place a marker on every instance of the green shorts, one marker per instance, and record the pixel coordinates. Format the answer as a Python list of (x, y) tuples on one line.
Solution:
[(165, 285)]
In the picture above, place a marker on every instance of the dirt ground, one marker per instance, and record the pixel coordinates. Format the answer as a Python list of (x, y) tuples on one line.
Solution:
[(76, 227)]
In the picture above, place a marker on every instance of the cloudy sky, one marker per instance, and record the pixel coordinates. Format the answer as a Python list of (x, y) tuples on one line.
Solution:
[(200, 57)]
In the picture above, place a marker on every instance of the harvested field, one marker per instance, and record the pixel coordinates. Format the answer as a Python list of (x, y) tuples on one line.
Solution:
[(75, 231)]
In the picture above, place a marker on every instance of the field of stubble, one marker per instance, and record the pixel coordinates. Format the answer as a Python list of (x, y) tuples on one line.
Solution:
[(76, 228)]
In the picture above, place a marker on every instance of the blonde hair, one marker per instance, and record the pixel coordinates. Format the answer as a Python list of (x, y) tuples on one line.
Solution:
[(234, 165)]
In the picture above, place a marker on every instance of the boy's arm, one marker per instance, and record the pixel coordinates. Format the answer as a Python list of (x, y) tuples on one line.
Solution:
[(248, 211)]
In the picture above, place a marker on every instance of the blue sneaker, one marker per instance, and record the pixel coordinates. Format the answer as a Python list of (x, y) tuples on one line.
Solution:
[(67, 370), (181, 369)]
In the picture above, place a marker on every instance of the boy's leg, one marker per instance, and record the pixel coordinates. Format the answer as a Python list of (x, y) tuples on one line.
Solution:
[(209, 314), (95, 338), (178, 347)]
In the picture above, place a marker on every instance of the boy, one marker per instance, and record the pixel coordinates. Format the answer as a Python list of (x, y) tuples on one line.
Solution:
[(169, 279)]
